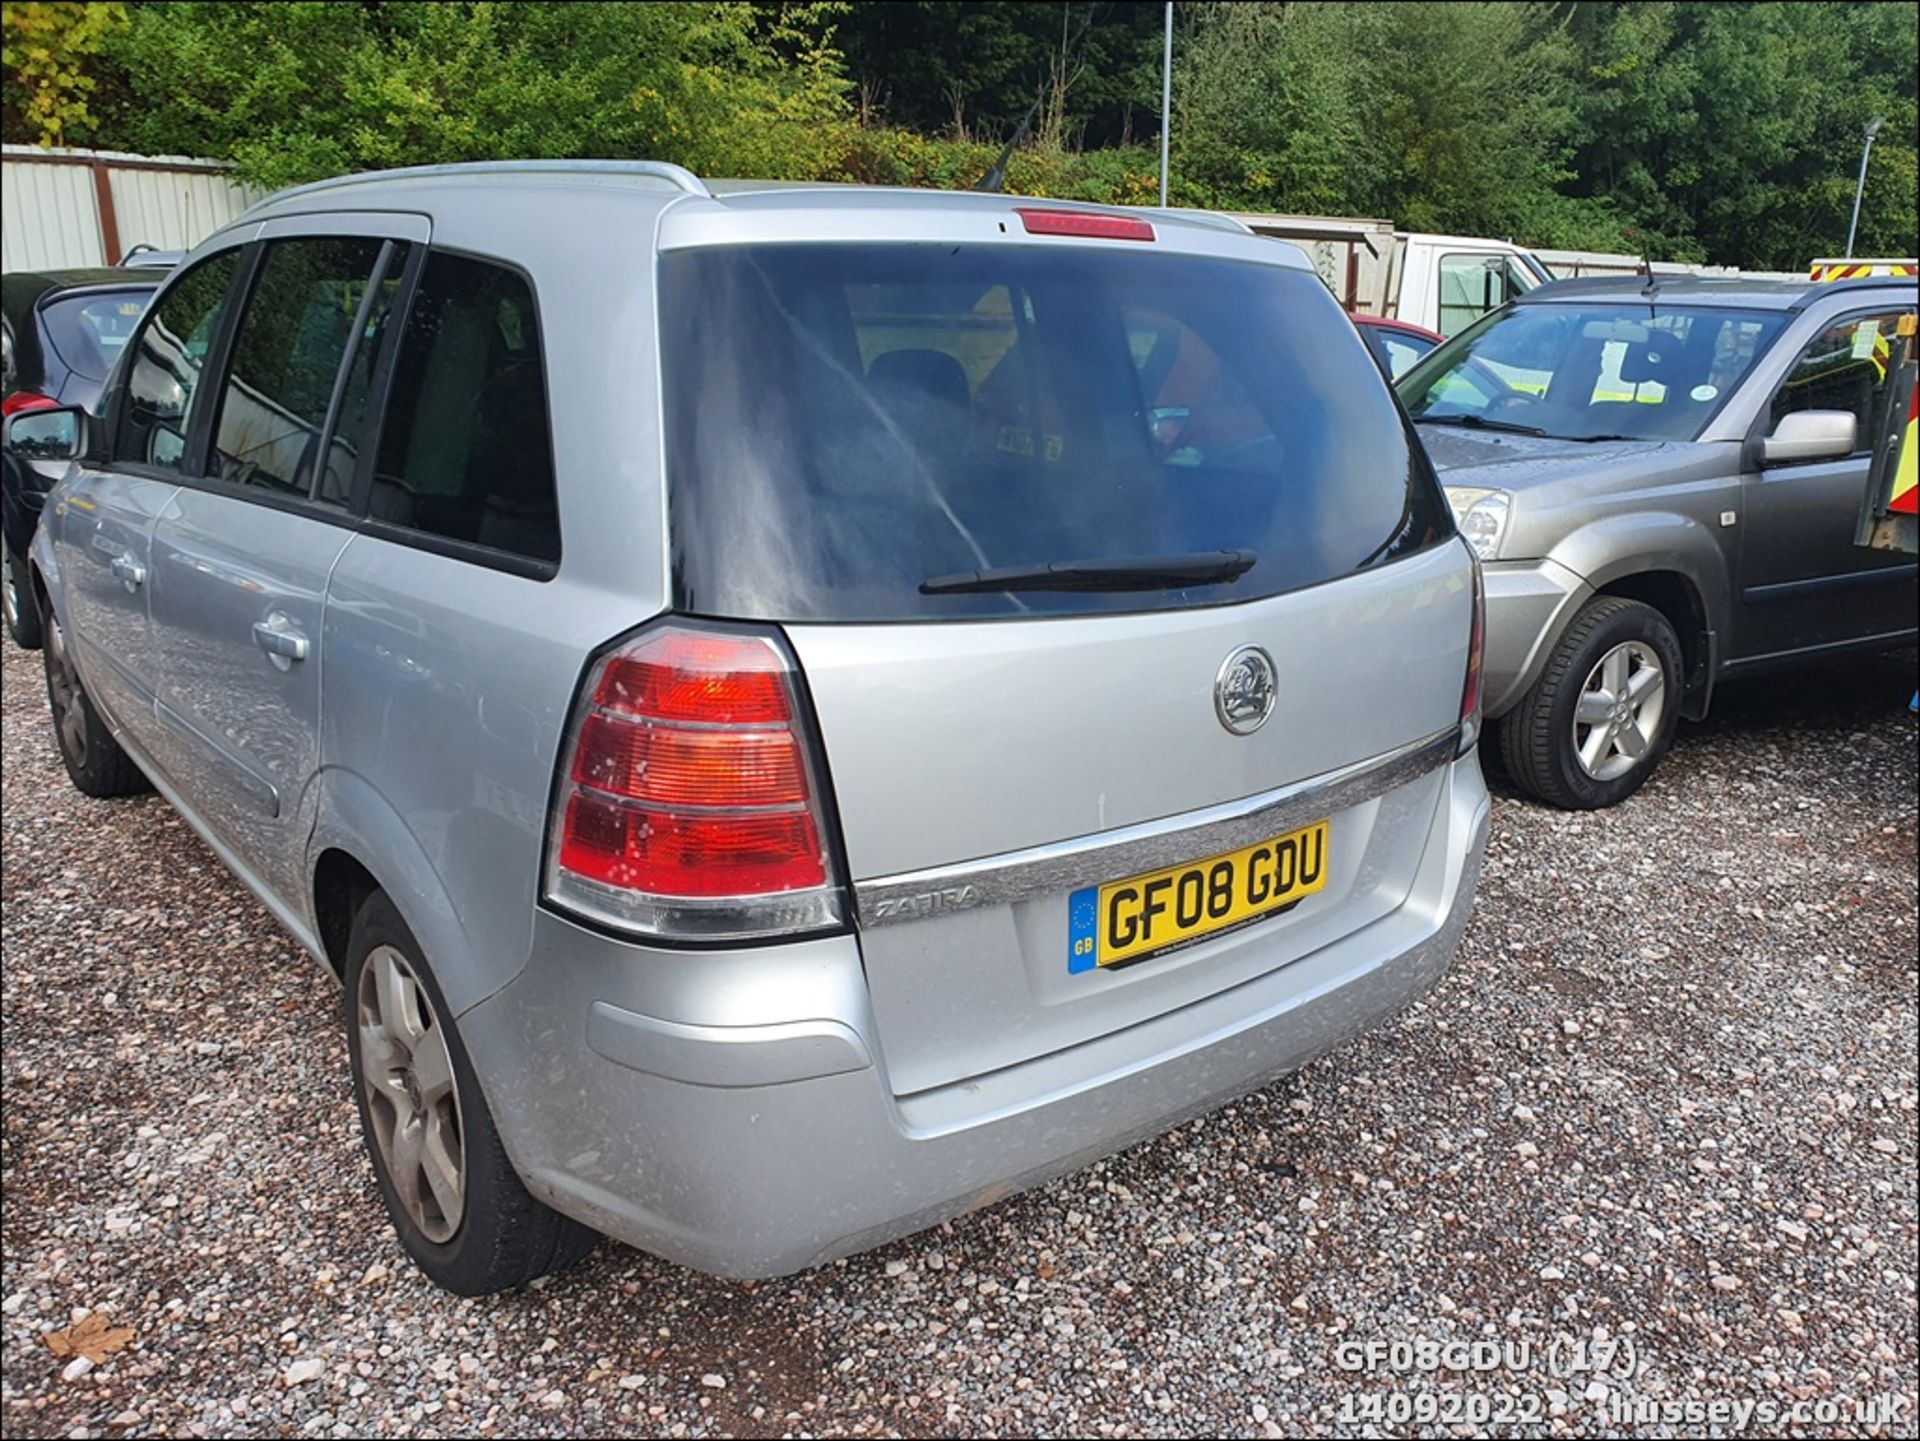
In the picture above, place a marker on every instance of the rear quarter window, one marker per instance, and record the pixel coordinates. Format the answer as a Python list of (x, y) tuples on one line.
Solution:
[(466, 450), (88, 332), (844, 422)]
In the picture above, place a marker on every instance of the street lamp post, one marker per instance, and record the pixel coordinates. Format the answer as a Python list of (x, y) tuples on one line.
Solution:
[(1166, 103), (1873, 129)]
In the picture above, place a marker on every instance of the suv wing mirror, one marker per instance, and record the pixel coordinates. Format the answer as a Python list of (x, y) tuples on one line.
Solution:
[(1811, 435), (56, 433)]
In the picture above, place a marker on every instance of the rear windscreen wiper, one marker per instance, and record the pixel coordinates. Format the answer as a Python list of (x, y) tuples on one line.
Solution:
[(1155, 572), (1478, 422)]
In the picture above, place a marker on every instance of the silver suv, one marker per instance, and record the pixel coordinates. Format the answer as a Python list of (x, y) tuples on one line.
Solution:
[(792, 712), (1665, 485)]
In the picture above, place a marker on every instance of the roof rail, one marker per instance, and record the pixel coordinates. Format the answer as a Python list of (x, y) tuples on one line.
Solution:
[(678, 176)]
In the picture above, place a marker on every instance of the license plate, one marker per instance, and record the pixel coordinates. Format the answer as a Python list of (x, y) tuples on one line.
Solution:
[(1149, 915)]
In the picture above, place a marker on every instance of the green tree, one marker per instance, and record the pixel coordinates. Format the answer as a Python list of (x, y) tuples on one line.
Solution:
[(1438, 116), (296, 90), (1734, 131), (960, 68), (48, 58), (1710, 131)]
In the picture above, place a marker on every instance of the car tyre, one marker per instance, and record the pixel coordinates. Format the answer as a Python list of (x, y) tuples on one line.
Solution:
[(456, 1202), (95, 762), (22, 611), (1592, 729)]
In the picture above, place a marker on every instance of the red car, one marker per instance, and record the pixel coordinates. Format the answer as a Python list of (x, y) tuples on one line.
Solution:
[(1396, 344)]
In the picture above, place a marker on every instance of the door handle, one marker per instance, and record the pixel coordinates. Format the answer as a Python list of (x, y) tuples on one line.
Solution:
[(129, 570), (285, 644)]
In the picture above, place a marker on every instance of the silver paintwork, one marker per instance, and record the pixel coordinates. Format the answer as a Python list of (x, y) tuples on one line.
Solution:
[(1536, 600), (1811, 435), (678, 176), (301, 691), (1781, 579), (1619, 711), (1152, 845), (766, 1180), (991, 730), (413, 1096)]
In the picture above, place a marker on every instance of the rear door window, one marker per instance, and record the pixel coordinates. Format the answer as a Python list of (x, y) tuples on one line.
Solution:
[(89, 331), (465, 451), (844, 422), (286, 360), (169, 351), (350, 425)]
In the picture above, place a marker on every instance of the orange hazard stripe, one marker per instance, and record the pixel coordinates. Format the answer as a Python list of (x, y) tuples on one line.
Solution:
[(1906, 478), (1858, 272)]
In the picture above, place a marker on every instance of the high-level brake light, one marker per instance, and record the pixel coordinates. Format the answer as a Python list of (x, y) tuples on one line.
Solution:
[(1084, 223)]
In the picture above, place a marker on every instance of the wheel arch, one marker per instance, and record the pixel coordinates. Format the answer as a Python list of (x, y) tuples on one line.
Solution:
[(361, 844), (1673, 563)]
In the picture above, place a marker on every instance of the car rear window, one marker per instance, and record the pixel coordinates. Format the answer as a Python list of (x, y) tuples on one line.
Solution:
[(846, 421), (89, 331)]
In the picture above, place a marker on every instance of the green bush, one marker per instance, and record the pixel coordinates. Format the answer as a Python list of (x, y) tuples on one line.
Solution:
[(1702, 131)]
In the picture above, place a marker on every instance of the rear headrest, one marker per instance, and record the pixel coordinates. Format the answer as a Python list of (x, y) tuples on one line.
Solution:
[(932, 375)]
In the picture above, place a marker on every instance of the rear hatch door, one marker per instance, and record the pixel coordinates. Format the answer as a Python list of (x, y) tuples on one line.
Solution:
[(855, 428)]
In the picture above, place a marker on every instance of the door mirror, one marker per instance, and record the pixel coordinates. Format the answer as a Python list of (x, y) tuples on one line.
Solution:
[(1811, 435), (56, 434)]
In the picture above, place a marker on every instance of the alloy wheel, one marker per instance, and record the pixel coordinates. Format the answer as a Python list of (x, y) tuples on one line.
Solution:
[(413, 1097), (9, 591), (1618, 715), (69, 700)]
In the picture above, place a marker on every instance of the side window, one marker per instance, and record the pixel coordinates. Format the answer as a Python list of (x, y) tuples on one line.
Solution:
[(1844, 368), (286, 358), (169, 351), (1470, 286), (465, 450)]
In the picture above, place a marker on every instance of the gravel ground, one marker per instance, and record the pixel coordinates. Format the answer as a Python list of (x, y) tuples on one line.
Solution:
[(1664, 1104)]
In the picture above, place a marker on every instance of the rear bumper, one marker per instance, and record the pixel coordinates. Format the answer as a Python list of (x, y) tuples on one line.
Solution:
[(729, 1110), (1528, 605)]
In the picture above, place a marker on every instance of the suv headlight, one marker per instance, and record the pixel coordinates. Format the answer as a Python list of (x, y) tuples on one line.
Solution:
[(1481, 515)]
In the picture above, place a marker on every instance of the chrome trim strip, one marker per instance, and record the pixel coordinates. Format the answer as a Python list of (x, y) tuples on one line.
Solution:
[(1149, 846)]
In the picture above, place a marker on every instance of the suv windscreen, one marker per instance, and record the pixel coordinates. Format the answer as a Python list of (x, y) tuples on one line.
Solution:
[(1583, 372), (845, 422), (89, 331)]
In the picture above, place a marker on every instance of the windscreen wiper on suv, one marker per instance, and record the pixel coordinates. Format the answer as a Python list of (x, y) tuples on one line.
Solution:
[(1478, 422), (1156, 572)]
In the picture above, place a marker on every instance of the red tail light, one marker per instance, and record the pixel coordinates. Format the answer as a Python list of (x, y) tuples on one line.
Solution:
[(1476, 658), (689, 807), (1085, 223), (25, 400)]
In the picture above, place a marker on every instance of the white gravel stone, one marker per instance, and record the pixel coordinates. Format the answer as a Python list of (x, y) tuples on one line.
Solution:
[(1737, 970)]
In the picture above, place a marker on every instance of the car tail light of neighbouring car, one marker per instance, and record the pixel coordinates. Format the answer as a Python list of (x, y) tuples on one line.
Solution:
[(1476, 665), (689, 804), (25, 400)]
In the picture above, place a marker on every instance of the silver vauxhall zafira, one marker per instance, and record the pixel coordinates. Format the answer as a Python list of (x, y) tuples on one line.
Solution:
[(792, 712)]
